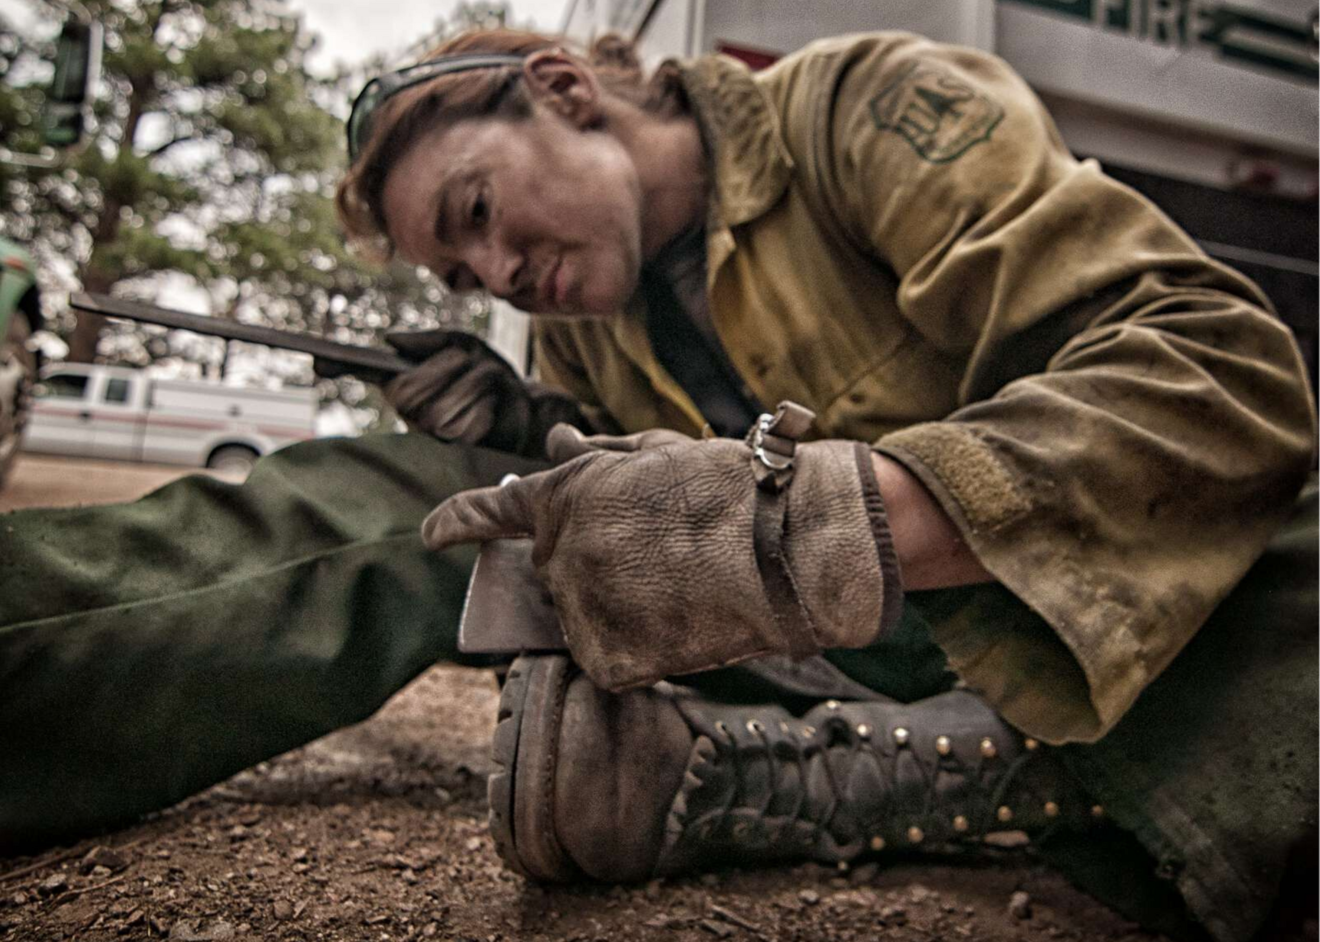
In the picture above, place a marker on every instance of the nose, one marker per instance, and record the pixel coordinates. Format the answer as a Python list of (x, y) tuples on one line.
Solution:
[(497, 267)]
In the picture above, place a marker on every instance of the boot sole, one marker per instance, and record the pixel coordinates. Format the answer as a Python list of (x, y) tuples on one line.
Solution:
[(521, 790)]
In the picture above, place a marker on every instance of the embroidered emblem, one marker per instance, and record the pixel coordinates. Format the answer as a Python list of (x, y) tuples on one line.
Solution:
[(939, 114)]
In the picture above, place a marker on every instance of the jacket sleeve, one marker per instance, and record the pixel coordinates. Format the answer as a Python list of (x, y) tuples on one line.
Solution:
[(1132, 424)]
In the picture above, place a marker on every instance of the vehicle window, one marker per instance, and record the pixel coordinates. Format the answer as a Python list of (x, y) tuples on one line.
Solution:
[(116, 390), (62, 386)]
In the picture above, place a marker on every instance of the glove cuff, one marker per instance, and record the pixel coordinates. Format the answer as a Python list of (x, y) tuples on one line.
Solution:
[(890, 573)]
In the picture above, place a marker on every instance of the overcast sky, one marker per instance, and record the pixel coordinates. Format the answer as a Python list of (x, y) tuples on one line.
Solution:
[(354, 29)]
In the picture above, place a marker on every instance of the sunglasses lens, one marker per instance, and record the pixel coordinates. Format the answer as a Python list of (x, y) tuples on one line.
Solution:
[(381, 88), (359, 120)]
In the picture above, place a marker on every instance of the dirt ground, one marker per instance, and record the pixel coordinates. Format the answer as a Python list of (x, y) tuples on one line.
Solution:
[(378, 832)]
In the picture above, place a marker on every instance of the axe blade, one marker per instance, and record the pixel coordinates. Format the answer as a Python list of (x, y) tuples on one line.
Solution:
[(508, 610)]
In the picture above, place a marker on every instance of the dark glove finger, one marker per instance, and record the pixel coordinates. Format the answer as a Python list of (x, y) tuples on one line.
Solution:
[(418, 345), (566, 442), (452, 410), (411, 391), (487, 513)]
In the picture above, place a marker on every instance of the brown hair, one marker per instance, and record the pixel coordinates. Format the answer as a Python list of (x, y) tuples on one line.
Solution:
[(479, 93)]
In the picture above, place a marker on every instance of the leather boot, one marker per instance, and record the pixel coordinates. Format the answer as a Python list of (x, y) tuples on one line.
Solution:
[(623, 787)]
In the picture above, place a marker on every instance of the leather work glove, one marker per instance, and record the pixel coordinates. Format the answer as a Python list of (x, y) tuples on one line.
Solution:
[(463, 391), (666, 555)]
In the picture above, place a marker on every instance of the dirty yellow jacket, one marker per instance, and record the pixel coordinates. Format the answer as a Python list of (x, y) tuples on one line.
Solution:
[(899, 239)]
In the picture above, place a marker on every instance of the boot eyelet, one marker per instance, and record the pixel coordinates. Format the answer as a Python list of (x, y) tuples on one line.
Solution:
[(831, 704), (915, 834), (1051, 809), (1031, 744), (755, 727), (1004, 814), (877, 843), (988, 749), (863, 731), (943, 745), (960, 823), (808, 731), (1097, 811), (901, 736)]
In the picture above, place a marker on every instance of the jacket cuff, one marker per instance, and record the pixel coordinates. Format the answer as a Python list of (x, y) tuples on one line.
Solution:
[(1043, 677)]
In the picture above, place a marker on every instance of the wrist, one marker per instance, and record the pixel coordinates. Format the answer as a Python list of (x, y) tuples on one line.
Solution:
[(931, 550)]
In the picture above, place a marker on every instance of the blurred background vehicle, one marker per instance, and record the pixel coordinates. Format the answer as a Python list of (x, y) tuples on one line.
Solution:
[(20, 314), (120, 413)]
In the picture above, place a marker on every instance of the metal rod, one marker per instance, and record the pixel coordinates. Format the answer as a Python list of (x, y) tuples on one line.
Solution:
[(381, 361)]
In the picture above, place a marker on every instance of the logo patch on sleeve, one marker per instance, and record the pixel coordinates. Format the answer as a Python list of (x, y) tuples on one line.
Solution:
[(939, 114)]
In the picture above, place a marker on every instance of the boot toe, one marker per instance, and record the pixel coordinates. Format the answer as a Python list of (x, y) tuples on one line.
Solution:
[(585, 778)]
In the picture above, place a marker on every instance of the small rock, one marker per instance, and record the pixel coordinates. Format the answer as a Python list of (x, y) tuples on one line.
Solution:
[(19, 899), (301, 867), (134, 918), (191, 930), (473, 843), (157, 926), (894, 914), (810, 897), (409, 876), (100, 872), (919, 894), (282, 910), (1019, 905), (250, 817), (237, 833), (379, 836), (717, 929), (164, 854), (55, 883), (298, 854), (106, 857), (429, 930)]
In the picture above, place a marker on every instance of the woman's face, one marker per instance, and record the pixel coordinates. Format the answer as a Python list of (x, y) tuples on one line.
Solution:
[(535, 211)]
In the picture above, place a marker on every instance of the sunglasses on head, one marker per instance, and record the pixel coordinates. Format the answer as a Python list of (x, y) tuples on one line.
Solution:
[(383, 87)]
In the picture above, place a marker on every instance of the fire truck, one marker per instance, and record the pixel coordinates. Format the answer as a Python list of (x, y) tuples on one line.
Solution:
[(1208, 107)]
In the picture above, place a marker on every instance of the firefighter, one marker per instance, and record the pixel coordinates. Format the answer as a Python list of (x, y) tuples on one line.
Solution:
[(897, 477)]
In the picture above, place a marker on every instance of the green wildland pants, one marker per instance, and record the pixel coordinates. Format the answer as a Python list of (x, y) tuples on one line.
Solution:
[(150, 649)]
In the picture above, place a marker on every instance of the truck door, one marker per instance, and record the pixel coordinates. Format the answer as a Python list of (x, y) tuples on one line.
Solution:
[(61, 421), (116, 429)]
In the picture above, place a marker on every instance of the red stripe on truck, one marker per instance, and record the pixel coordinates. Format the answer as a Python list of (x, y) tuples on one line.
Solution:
[(274, 431)]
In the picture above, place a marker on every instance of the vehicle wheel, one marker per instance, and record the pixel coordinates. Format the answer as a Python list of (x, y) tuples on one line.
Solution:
[(18, 371), (232, 461)]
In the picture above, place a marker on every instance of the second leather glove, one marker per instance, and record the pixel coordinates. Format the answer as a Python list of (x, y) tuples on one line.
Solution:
[(463, 391), (669, 555)]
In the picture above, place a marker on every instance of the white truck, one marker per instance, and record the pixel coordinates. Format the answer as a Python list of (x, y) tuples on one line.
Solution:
[(121, 413)]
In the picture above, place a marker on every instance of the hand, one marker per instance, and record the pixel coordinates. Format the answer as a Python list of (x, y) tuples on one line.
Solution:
[(664, 556), (463, 391)]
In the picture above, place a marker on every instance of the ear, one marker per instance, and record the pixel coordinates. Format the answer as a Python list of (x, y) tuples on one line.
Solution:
[(564, 84)]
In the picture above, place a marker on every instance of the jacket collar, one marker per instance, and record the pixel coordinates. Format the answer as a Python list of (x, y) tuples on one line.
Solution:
[(751, 168), (740, 128)]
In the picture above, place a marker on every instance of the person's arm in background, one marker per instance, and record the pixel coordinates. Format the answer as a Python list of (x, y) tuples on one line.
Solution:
[(1134, 423)]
